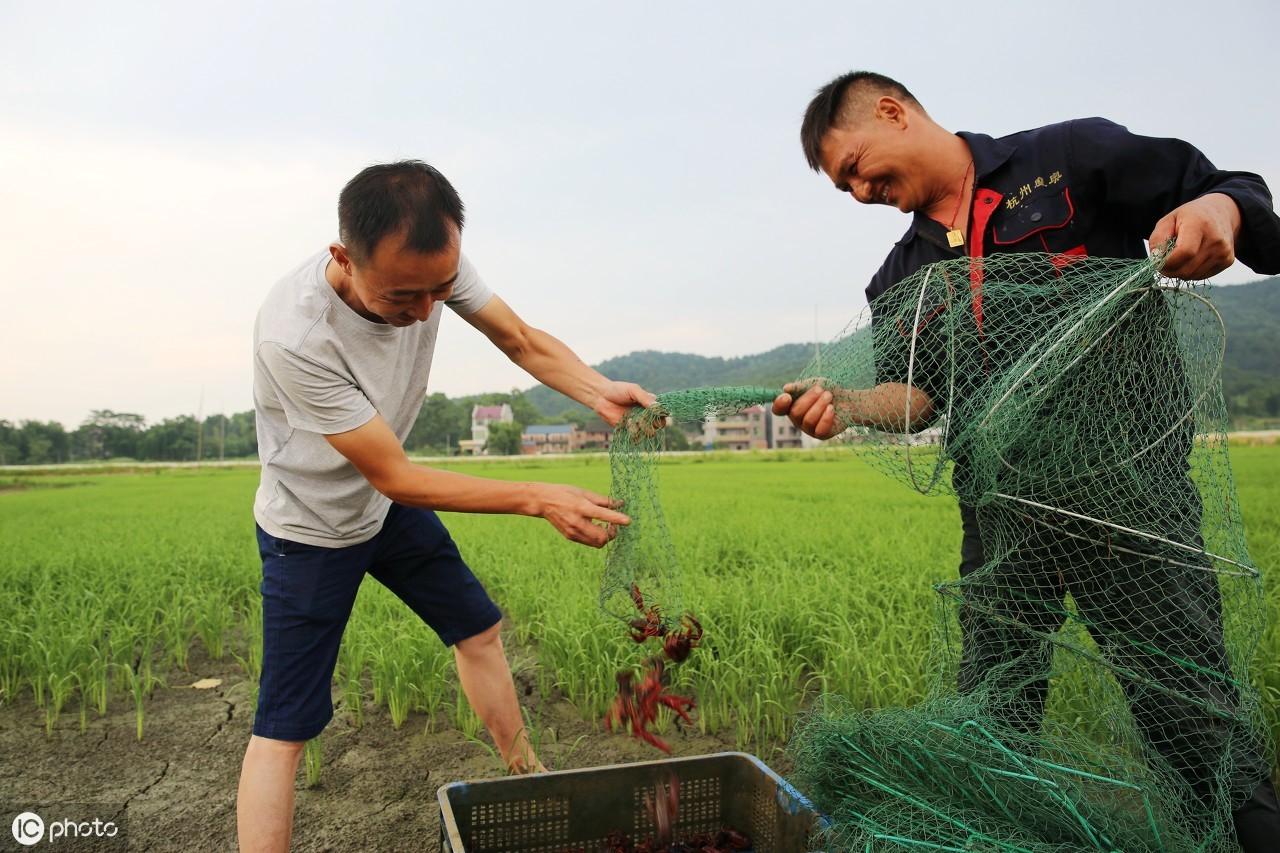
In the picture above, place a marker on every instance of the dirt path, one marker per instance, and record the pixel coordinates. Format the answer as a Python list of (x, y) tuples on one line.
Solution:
[(176, 787)]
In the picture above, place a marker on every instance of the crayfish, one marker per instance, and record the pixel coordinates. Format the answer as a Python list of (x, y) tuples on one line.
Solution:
[(637, 704), (663, 806), (676, 643)]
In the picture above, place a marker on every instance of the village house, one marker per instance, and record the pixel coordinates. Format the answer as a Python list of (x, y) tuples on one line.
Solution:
[(756, 428), (594, 435), (784, 435), (547, 438), (481, 417), (745, 430)]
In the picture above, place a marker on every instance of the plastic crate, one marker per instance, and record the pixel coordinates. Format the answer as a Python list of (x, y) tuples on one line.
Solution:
[(573, 810)]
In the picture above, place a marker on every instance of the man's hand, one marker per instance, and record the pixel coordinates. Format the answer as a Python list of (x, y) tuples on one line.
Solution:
[(1206, 230), (376, 453), (810, 407), (824, 410), (618, 397), (573, 512)]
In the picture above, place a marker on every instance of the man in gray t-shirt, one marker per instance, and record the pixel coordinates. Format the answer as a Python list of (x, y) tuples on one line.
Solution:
[(342, 352), (321, 368)]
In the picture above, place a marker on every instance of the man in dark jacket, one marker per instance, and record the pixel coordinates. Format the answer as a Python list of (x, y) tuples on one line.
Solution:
[(1081, 188)]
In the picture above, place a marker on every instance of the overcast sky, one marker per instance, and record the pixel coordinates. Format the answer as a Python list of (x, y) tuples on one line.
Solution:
[(631, 171)]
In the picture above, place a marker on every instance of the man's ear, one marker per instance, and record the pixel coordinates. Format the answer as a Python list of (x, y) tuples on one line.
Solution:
[(892, 110), (340, 255)]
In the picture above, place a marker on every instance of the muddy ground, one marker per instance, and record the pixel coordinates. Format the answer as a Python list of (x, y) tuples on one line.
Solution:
[(177, 786)]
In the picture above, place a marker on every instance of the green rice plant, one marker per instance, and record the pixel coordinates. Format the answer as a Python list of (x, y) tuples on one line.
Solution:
[(60, 688), (93, 684), (98, 683), (399, 700), (545, 681), (137, 686), (176, 629), (464, 717), (794, 606), (141, 682), (213, 620), (489, 749), (11, 668), (564, 756), (391, 684), (352, 658), (252, 631), (38, 681), (349, 672), (313, 761), (532, 731), (84, 713), (353, 701), (382, 673), (431, 694)]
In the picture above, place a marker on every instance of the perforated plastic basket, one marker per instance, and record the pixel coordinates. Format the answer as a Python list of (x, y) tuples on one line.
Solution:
[(573, 810)]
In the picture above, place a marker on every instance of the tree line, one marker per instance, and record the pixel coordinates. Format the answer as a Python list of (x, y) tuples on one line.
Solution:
[(106, 435)]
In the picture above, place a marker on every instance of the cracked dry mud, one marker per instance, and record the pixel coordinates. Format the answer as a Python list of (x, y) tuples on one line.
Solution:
[(177, 786)]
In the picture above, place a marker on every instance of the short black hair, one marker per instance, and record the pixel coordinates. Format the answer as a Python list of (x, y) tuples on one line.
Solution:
[(830, 106), (408, 197)]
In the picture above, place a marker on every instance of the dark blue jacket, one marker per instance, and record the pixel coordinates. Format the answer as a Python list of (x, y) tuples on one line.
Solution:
[(1083, 187)]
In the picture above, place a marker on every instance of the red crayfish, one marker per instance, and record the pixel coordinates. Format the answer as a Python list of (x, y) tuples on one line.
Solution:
[(637, 704), (677, 643), (663, 807)]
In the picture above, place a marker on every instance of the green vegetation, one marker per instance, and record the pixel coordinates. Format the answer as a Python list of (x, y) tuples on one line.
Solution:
[(442, 422), (112, 580), (669, 371), (1251, 385), (1251, 367), (504, 439), (106, 435)]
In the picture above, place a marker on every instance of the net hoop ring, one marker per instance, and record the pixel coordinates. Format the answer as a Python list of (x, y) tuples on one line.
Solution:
[(940, 464), (1191, 409)]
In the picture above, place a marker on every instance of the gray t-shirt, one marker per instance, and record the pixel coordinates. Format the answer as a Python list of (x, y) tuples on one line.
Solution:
[(319, 368)]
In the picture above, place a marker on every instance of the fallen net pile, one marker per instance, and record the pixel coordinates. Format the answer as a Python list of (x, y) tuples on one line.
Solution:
[(1074, 408)]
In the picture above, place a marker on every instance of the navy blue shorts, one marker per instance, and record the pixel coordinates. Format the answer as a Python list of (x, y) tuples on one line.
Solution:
[(307, 594)]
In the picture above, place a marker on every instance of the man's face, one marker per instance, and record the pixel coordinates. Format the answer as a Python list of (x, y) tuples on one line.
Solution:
[(399, 285), (873, 160)]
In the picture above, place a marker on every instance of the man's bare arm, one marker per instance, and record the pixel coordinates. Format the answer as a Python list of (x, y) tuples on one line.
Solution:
[(824, 413), (551, 362), (376, 453)]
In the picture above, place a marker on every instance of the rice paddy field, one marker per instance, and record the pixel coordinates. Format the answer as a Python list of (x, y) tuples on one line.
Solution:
[(812, 573)]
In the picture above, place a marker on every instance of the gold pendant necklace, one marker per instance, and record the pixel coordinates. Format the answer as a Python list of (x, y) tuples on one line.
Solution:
[(955, 239)]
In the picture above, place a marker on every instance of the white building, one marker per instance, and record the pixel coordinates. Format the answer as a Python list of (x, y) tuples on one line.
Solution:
[(481, 417), (745, 430)]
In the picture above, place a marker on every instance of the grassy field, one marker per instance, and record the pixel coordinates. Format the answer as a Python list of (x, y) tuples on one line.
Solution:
[(812, 573)]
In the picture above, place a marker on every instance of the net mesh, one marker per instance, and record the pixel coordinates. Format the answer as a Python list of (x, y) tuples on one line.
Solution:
[(1073, 406)]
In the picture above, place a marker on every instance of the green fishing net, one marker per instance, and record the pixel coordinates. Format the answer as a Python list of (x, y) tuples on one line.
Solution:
[(1090, 686)]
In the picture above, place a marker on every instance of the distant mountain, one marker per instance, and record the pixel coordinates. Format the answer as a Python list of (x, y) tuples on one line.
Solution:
[(1251, 368), (1251, 371), (671, 371)]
